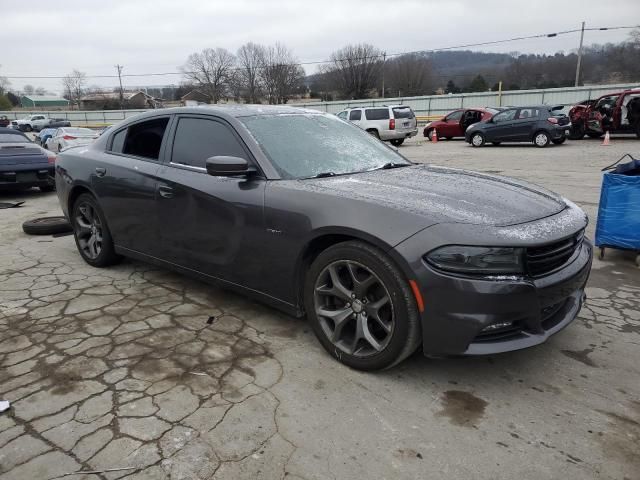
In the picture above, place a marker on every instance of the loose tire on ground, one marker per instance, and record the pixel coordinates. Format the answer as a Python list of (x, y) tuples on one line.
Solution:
[(46, 226), (358, 260)]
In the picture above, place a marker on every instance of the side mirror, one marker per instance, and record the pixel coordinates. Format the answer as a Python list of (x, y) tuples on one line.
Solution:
[(223, 166)]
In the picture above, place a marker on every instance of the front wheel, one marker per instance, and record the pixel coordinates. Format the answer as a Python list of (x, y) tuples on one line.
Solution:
[(541, 139), (91, 232), (477, 140), (360, 307), (559, 141), (397, 142)]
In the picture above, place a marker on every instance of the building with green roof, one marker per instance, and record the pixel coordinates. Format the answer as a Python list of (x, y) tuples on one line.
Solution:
[(42, 101)]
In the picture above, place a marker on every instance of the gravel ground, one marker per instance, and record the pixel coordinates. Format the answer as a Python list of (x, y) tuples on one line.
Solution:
[(119, 367)]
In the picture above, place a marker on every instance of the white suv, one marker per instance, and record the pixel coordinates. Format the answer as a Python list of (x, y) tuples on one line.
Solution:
[(392, 123)]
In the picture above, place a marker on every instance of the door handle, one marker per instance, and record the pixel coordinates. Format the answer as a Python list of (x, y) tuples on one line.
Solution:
[(101, 172), (165, 191)]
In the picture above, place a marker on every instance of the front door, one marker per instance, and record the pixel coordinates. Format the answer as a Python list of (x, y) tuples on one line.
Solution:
[(499, 129), (524, 124), (451, 125), (208, 224)]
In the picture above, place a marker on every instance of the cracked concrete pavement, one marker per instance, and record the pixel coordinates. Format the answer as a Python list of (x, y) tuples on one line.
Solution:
[(119, 368)]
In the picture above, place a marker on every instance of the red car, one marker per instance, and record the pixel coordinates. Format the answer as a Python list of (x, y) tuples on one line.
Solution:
[(456, 123), (4, 121), (614, 113)]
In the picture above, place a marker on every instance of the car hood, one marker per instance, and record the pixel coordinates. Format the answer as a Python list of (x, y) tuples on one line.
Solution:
[(445, 194)]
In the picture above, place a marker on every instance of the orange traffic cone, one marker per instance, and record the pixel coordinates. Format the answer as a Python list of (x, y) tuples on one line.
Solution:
[(607, 140), (434, 136)]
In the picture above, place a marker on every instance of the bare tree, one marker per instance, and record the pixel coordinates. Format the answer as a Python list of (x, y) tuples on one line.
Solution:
[(28, 89), (74, 84), (355, 70), (250, 60), (409, 75), (281, 73), (4, 84), (210, 70), (40, 91)]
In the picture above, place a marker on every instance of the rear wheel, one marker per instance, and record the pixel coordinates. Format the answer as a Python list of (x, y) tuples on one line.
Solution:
[(360, 307), (91, 232), (397, 142), (477, 140), (428, 134), (373, 132), (28, 128), (559, 141), (541, 139)]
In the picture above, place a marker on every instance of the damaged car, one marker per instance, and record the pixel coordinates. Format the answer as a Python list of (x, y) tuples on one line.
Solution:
[(312, 215), (613, 113)]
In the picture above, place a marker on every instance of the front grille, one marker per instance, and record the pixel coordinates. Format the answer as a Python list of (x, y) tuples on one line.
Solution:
[(545, 259)]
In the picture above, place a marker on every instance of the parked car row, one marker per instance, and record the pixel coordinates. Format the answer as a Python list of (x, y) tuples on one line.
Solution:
[(58, 139), (24, 164), (36, 122)]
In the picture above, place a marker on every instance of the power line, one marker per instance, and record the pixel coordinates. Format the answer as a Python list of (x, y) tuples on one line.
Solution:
[(320, 62)]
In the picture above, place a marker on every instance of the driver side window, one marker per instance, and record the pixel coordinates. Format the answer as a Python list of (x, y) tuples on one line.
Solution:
[(455, 116), (504, 116)]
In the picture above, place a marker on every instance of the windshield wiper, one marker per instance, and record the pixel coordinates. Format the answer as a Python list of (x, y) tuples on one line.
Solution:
[(390, 165), (324, 175)]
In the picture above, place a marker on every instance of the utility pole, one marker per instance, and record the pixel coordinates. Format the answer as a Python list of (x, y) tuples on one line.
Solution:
[(120, 67), (384, 59), (579, 56)]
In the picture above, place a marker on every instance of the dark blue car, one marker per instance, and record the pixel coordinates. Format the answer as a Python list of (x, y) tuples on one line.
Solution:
[(23, 164)]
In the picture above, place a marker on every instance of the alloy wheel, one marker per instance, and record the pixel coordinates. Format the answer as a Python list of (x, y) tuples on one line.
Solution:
[(354, 308), (88, 230)]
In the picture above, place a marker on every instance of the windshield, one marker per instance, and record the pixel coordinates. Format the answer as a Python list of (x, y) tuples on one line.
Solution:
[(301, 146), (13, 138)]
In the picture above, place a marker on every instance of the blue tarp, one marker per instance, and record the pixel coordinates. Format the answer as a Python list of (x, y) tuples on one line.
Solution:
[(619, 212)]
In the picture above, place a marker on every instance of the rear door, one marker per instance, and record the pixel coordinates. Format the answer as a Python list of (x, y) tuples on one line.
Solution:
[(125, 181), (212, 225), (524, 124)]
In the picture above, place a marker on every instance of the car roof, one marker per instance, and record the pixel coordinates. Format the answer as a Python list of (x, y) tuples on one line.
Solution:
[(233, 110), (11, 130)]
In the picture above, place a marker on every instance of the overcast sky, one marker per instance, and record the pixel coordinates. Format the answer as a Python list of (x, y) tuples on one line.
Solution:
[(44, 38)]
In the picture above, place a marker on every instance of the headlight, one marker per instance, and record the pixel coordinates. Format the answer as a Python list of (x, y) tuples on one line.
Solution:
[(478, 260)]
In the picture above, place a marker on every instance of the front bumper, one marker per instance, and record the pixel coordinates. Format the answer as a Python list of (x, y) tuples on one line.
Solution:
[(521, 311), (458, 310)]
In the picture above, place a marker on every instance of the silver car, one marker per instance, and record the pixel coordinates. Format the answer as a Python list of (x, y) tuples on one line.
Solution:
[(390, 123)]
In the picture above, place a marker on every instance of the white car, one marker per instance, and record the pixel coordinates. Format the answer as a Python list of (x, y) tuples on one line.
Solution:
[(390, 123), (32, 122), (68, 137)]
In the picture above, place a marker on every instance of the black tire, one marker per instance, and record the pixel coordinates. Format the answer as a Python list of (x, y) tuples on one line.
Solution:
[(47, 188), (479, 142), (106, 254), (595, 134), (374, 132), (397, 142), (576, 132), (405, 331), (46, 226), (496, 143), (28, 128), (559, 141), (428, 134), (541, 139)]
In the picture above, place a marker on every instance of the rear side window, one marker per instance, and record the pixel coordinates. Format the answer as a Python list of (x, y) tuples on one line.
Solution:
[(377, 113), (403, 113), (355, 114), (505, 116), (142, 139), (528, 113), (198, 139)]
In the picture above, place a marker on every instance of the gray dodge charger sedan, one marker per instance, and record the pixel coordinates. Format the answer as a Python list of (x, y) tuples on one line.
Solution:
[(314, 216)]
